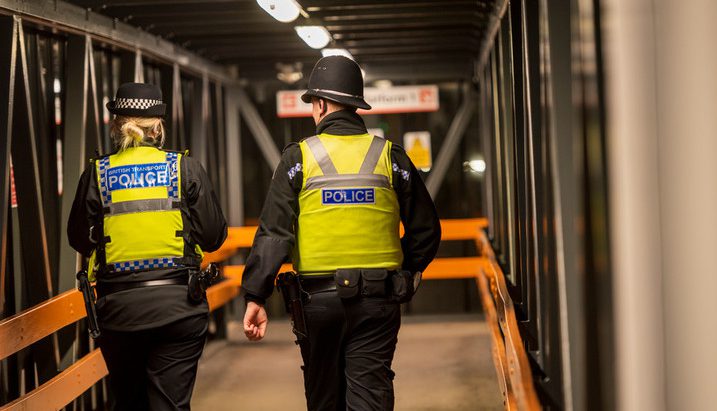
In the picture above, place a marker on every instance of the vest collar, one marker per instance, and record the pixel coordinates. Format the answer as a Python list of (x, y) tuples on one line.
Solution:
[(342, 123)]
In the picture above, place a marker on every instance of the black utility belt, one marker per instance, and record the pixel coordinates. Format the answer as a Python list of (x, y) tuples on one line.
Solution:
[(107, 288), (363, 282)]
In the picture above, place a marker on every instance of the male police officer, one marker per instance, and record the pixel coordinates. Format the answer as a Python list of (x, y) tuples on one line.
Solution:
[(334, 205)]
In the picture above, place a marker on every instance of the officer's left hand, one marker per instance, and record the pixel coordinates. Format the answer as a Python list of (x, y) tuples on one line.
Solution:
[(255, 321)]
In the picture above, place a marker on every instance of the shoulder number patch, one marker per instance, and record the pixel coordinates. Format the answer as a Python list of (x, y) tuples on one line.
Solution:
[(347, 196)]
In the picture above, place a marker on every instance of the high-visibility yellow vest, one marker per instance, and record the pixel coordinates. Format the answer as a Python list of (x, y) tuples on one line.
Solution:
[(142, 219), (348, 209)]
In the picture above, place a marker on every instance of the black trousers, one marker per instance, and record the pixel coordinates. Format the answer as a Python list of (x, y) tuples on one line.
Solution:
[(348, 355), (154, 369)]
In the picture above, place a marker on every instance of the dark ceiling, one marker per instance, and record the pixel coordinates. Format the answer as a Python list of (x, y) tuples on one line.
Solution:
[(398, 40)]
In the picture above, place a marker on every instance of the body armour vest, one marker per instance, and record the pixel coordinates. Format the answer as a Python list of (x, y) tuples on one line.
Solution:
[(142, 205), (348, 209)]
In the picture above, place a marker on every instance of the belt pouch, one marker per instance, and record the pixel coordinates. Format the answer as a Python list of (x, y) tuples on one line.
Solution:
[(347, 283), (402, 289), (373, 283)]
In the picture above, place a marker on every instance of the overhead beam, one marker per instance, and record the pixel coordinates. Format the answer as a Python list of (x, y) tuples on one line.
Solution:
[(126, 12), (314, 5), (388, 7), (392, 52), (450, 144), (397, 16), (72, 18), (258, 129)]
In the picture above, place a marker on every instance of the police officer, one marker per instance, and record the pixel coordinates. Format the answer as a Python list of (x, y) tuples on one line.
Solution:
[(143, 215), (334, 206)]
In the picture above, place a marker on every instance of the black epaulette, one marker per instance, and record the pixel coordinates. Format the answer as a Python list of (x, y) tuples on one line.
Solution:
[(286, 147), (184, 153), (97, 157)]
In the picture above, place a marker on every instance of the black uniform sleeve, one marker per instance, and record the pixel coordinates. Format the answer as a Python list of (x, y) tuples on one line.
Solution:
[(418, 214), (275, 238), (85, 213), (209, 228)]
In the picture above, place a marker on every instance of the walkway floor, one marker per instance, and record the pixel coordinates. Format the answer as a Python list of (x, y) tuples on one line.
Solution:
[(442, 363)]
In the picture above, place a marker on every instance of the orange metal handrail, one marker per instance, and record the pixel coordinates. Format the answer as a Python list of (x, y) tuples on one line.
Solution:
[(36, 323), (510, 358)]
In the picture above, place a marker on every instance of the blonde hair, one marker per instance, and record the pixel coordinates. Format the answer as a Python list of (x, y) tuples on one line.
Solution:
[(129, 132)]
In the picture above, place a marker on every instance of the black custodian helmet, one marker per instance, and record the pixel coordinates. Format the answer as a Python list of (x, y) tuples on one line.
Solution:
[(339, 79)]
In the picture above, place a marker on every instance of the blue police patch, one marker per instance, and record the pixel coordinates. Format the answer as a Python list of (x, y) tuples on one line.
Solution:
[(348, 196), (138, 176)]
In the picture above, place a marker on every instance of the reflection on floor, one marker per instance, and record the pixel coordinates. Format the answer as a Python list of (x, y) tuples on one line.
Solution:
[(442, 363)]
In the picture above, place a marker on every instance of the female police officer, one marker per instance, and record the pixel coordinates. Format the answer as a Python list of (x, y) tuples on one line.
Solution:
[(144, 215)]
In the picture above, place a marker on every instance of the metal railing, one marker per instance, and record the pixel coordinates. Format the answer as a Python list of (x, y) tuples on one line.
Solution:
[(510, 359)]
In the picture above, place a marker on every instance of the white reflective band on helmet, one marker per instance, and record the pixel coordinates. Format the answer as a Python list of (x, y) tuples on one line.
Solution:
[(338, 93)]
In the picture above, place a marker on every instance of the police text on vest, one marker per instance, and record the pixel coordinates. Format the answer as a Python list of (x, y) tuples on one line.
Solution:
[(348, 196), (138, 176)]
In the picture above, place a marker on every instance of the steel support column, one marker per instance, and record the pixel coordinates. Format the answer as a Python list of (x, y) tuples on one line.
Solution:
[(200, 117), (138, 67), (8, 36), (258, 129), (74, 147), (451, 143), (235, 183), (221, 141), (33, 236), (178, 132)]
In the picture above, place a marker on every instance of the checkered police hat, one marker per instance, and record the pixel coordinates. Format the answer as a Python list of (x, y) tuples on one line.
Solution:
[(138, 100)]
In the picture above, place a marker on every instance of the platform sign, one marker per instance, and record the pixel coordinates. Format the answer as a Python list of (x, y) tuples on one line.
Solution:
[(418, 147), (399, 99)]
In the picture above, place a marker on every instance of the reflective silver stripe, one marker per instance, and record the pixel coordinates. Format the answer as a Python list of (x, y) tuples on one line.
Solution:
[(338, 93), (372, 156), (348, 180), (139, 206), (321, 155)]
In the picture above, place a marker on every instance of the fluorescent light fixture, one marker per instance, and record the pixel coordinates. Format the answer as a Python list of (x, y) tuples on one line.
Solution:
[(383, 84), (317, 37), (285, 11), (475, 166), (336, 52)]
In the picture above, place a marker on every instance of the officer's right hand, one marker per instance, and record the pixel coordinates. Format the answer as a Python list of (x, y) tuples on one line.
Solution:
[(255, 321)]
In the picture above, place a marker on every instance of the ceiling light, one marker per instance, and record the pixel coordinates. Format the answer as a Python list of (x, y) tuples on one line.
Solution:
[(289, 73), (383, 84), (336, 52), (475, 166), (285, 11), (317, 37)]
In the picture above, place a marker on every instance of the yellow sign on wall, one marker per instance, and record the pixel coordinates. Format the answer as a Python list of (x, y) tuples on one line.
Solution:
[(418, 148)]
